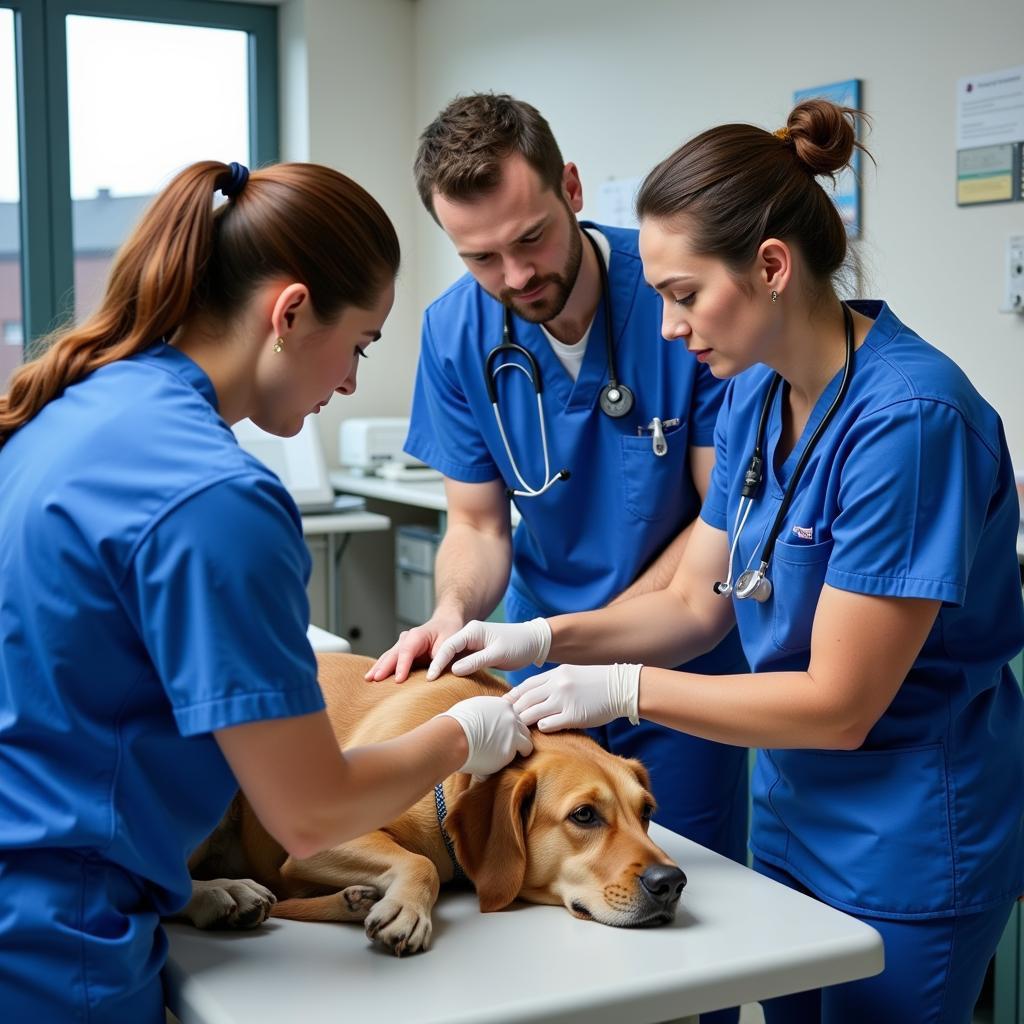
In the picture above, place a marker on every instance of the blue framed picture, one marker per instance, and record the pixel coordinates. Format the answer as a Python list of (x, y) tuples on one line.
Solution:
[(845, 191)]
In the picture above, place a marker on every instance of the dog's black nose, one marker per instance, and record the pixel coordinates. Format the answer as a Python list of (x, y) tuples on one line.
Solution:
[(663, 883)]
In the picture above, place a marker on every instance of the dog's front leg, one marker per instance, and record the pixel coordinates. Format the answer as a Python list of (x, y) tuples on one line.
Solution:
[(407, 884)]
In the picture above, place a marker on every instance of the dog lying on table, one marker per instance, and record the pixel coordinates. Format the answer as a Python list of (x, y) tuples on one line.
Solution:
[(566, 825)]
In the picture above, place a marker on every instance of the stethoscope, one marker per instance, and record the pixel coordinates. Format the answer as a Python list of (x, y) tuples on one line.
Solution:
[(616, 400), (754, 582)]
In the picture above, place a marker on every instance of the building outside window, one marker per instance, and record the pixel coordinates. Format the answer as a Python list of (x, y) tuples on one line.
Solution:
[(140, 90)]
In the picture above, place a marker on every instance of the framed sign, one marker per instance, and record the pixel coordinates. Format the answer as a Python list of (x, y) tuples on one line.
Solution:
[(845, 190)]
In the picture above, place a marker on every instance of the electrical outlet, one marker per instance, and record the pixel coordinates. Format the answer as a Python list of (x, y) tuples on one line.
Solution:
[(1014, 275)]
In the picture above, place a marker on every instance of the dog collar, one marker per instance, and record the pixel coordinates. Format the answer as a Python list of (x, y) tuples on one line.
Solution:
[(442, 813)]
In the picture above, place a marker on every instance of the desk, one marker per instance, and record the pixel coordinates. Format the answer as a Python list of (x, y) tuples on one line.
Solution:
[(334, 525), (428, 494), (738, 937)]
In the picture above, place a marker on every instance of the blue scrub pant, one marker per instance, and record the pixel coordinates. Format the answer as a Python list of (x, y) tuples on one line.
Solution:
[(934, 970), (79, 942)]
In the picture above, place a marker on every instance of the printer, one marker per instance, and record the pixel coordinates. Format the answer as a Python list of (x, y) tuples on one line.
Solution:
[(372, 445)]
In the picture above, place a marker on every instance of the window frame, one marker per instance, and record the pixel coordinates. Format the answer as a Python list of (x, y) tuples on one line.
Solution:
[(40, 44)]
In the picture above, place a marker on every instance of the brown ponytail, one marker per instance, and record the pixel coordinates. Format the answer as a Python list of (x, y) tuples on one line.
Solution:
[(303, 222), (738, 185)]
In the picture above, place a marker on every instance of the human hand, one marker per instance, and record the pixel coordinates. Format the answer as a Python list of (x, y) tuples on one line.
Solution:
[(496, 645), (493, 731), (578, 696), (414, 644)]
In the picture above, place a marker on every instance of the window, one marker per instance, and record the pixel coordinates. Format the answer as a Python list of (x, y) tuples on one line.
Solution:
[(10, 206), (101, 101), (165, 96)]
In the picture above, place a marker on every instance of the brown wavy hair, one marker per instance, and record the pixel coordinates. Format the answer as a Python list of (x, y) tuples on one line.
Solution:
[(738, 184), (303, 222), (460, 152)]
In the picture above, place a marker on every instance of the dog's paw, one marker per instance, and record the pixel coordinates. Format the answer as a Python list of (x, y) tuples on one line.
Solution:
[(401, 927), (357, 901), (229, 903)]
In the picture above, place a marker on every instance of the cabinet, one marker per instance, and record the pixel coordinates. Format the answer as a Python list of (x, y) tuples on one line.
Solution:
[(415, 551)]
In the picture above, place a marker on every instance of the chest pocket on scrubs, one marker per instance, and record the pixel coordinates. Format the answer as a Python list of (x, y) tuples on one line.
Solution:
[(798, 574), (652, 483)]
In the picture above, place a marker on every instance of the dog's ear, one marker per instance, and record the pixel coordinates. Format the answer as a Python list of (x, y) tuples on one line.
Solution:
[(487, 824), (640, 772), (638, 769)]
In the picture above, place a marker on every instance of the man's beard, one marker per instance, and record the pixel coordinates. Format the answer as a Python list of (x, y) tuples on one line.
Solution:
[(547, 308)]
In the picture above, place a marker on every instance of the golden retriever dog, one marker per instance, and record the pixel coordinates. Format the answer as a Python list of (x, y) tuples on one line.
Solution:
[(566, 825)]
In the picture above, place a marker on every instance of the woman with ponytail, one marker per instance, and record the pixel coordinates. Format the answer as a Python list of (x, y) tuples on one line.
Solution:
[(153, 613), (860, 531)]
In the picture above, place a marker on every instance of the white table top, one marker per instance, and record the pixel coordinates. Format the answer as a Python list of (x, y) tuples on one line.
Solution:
[(428, 494), (344, 522), (738, 937)]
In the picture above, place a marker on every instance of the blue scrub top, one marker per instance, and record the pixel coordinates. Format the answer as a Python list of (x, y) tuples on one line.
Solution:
[(152, 590), (909, 493), (585, 540)]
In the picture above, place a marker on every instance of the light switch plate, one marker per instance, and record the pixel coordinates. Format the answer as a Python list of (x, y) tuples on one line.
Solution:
[(1014, 302)]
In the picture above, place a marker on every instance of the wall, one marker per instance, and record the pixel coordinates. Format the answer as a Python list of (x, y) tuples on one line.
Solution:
[(347, 100), (623, 84)]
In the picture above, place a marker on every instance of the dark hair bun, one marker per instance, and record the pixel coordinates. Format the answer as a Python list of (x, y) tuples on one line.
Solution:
[(822, 134)]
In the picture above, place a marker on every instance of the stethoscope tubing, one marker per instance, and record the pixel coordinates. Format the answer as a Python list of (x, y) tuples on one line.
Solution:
[(616, 398), (753, 583)]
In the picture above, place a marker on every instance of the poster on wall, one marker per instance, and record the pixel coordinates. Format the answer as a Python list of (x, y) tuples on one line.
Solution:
[(845, 190), (990, 137)]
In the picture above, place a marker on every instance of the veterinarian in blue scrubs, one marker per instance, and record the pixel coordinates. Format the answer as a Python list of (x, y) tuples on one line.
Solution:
[(860, 529), (152, 585), (573, 298)]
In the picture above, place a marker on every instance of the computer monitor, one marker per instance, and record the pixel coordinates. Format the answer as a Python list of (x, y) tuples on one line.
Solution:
[(299, 462)]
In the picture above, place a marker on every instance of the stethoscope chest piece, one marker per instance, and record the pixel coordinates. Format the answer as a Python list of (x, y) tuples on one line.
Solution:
[(616, 400), (753, 583)]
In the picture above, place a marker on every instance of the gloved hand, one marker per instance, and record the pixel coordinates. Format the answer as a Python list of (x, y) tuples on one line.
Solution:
[(578, 696), (494, 733), (497, 645)]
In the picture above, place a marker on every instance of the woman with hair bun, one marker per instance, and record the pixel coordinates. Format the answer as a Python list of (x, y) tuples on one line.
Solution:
[(153, 612), (860, 530)]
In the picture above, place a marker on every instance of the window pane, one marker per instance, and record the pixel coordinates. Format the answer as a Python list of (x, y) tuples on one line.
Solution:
[(158, 98), (11, 331)]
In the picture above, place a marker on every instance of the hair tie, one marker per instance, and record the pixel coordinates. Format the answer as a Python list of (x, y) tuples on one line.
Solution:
[(239, 176), (781, 133)]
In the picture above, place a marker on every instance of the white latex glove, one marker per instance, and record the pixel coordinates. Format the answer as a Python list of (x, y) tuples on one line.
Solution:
[(578, 696), (494, 733), (497, 645)]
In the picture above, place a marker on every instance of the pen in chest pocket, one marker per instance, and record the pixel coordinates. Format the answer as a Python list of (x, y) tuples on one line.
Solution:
[(657, 427)]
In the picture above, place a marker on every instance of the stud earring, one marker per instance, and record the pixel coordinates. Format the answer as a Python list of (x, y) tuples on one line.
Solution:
[(279, 344), (775, 297)]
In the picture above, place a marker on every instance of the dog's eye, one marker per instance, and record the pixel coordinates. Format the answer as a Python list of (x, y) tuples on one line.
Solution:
[(586, 816)]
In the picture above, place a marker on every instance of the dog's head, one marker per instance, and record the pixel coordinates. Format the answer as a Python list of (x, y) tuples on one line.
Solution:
[(568, 825)]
